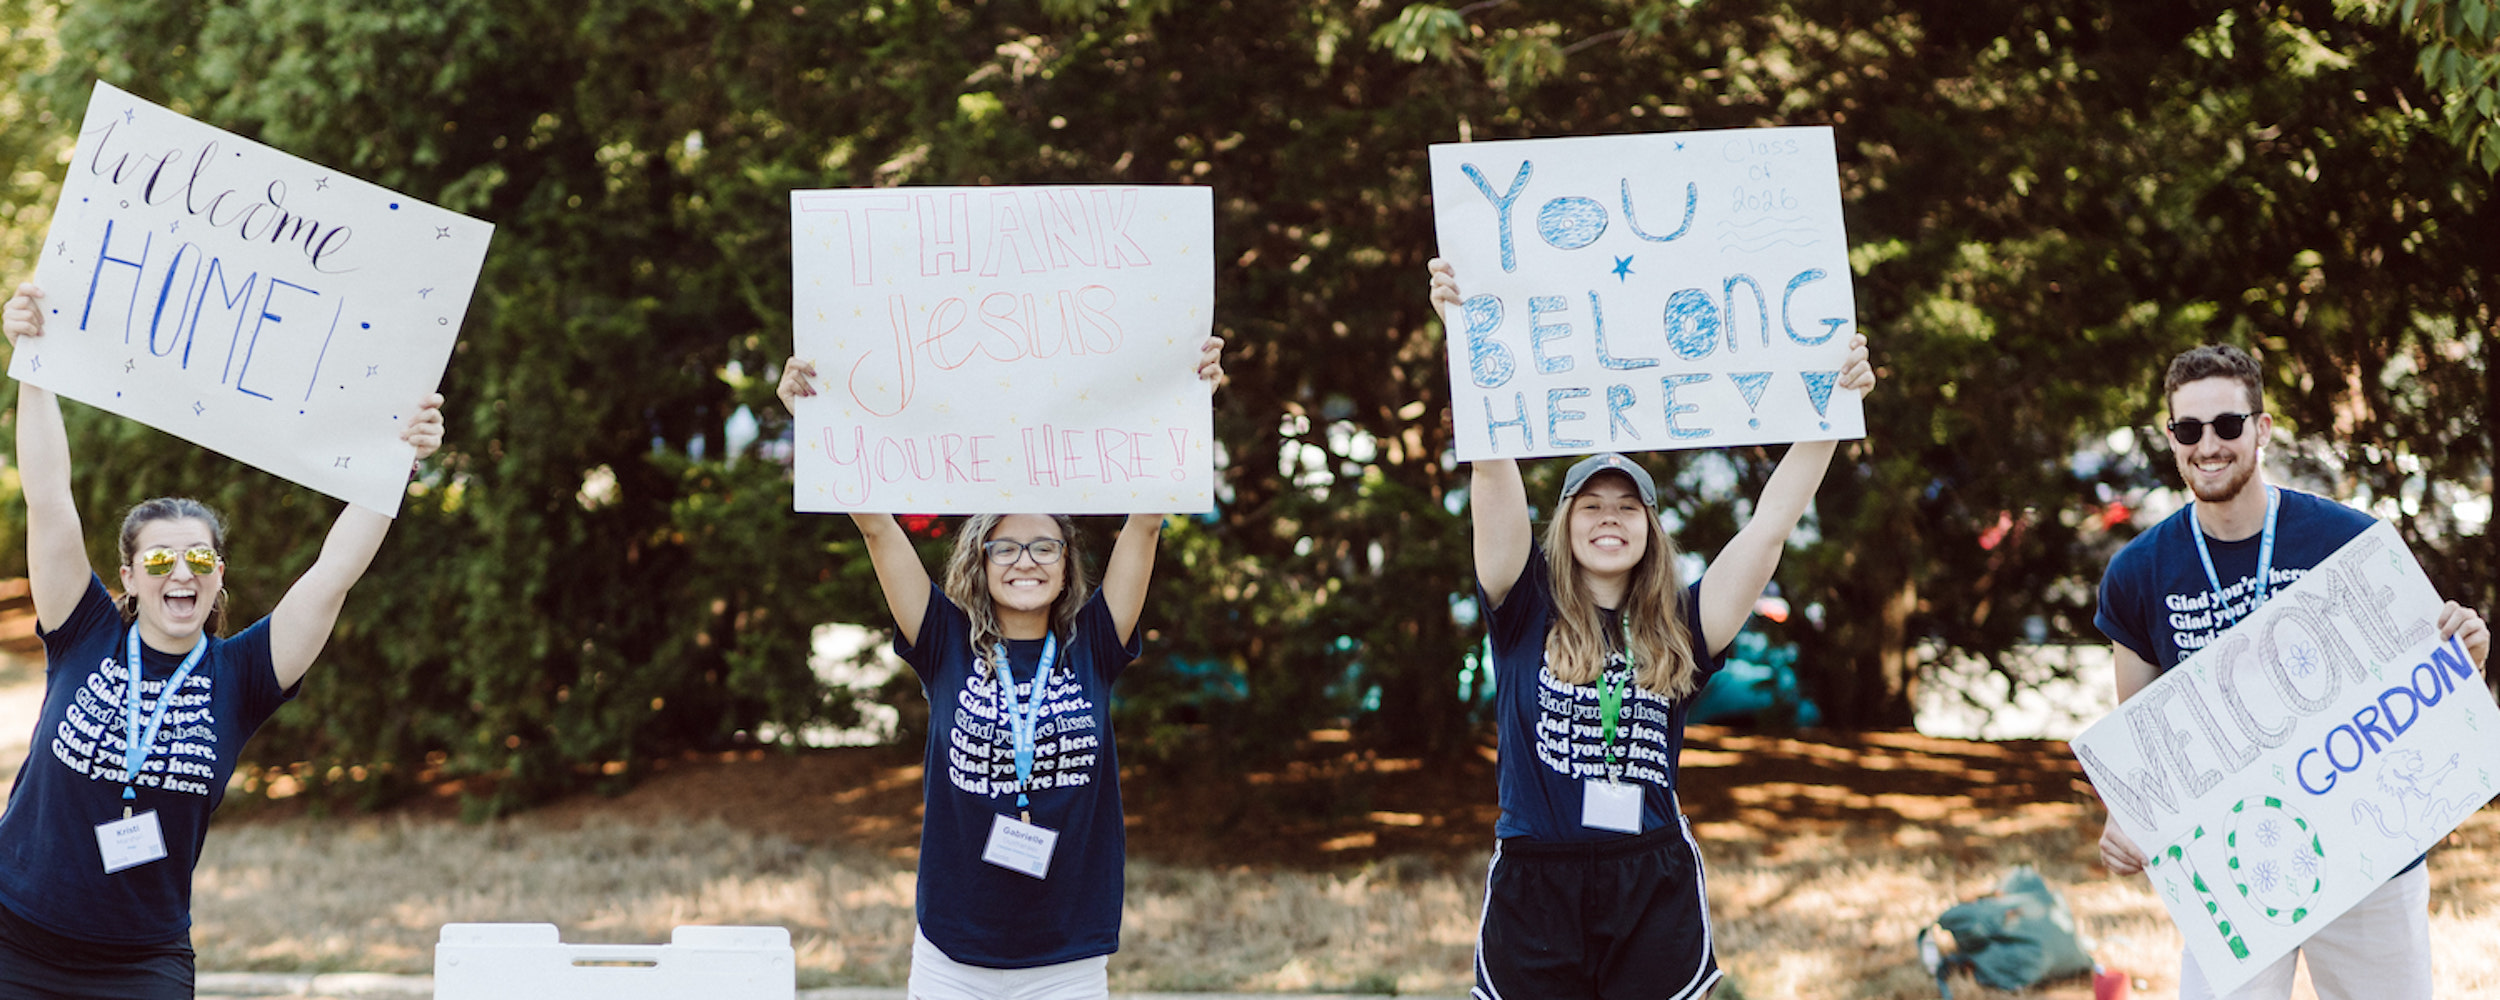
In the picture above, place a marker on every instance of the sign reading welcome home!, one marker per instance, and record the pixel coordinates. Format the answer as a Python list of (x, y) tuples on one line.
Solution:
[(275, 310), (1004, 349), (2311, 752), (1646, 292)]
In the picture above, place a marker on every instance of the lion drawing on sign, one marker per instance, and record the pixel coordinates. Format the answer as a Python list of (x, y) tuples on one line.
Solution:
[(2407, 779)]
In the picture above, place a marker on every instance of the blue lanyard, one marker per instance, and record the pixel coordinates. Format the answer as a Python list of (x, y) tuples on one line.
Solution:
[(1021, 718), (2265, 553), (137, 751)]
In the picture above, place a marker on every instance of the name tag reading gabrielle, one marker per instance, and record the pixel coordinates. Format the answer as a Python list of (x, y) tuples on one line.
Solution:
[(129, 843), (1611, 805), (1019, 846)]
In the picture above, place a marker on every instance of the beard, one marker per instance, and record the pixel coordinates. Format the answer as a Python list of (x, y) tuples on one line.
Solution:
[(2224, 491)]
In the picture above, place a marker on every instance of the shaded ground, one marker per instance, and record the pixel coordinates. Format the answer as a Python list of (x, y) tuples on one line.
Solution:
[(1339, 807)]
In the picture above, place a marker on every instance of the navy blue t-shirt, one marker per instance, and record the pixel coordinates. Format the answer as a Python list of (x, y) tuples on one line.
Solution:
[(1551, 732), (979, 913), (51, 871), (2157, 601)]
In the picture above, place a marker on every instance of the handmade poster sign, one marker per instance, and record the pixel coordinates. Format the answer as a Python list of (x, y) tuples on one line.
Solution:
[(273, 309), (1646, 292), (1004, 349), (2311, 752)]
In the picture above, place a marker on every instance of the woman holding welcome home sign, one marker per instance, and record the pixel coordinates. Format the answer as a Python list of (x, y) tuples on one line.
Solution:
[(1595, 888), (146, 707), (1022, 846)]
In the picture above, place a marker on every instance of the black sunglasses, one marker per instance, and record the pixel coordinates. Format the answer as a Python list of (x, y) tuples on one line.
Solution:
[(2189, 430)]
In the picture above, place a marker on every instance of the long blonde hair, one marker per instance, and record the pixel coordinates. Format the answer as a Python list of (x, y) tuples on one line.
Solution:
[(1662, 644), (968, 582)]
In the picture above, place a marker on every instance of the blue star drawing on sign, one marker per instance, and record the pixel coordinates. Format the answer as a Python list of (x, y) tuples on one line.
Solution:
[(340, 464), (64, 247), (35, 362), (130, 114), (372, 370), (442, 232), (321, 183), (1623, 268), (199, 409), (175, 227), (423, 292), (130, 365), (1679, 145)]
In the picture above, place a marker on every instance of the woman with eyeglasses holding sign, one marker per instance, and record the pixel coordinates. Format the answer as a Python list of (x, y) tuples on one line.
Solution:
[(110, 810), (1595, 888), (1022, 846)]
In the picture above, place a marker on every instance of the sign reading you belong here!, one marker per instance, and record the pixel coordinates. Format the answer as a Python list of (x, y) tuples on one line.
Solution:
[(1646, 292), (2308, 754), (1004, 349), (278, 311)]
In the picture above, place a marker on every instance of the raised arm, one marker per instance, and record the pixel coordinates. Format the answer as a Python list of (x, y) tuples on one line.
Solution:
[(1497, 501), (899, 572), (1132, 565), (1744, 567), (56, 550), (300, 625)]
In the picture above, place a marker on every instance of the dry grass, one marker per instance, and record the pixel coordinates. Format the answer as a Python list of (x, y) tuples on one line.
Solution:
[(1808, 915)]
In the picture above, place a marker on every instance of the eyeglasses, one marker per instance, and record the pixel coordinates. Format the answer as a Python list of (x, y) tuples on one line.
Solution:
[(160, 561), (1004, 552), (2189, 430)]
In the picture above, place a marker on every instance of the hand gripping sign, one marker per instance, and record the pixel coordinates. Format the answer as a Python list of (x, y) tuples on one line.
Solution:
[(1646, 292), (278, 311), (1004, 349), (2309, 753)]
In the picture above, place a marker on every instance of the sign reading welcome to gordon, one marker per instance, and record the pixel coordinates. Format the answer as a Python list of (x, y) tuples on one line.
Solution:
[(1004, 349), (273, 309), (1646, 292), (2311, 752)]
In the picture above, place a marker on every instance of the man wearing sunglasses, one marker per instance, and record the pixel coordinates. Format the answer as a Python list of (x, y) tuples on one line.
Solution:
[(2175, 588)]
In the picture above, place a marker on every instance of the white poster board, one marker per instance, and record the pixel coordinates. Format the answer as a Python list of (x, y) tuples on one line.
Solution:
[(272, 309), (1004, 349), (2305, 756), (1646, 292)]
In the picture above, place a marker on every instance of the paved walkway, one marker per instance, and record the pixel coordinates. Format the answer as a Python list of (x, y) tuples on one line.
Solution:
[(377, 986)]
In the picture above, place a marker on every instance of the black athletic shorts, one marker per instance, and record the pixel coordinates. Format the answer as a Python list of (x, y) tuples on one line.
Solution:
[(1613, 920), (36, 964)]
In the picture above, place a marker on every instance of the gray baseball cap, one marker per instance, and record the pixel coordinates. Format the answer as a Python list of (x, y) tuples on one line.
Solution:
[(1579, 475)]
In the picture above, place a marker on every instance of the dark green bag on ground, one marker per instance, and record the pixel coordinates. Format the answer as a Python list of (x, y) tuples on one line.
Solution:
[(2021, 936)]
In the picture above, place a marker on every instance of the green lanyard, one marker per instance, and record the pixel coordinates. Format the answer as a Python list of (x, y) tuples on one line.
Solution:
[(1610, 690)]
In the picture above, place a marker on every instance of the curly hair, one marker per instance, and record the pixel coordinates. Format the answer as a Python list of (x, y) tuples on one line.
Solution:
[(968, 584), (2217, 361)]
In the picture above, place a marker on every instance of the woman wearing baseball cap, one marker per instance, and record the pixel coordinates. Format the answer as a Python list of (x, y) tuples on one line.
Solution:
[(1596, 886)]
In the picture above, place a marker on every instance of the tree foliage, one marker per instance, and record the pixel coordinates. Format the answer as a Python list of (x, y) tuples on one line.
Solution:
[(2046, 200)]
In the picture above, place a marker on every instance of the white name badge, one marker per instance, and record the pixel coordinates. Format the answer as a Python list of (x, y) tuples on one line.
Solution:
[(1019, 846), (1610, 805), (129, 843)]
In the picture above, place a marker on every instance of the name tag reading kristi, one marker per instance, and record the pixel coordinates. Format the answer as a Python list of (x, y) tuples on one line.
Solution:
[(129, 843), (1019, 846)]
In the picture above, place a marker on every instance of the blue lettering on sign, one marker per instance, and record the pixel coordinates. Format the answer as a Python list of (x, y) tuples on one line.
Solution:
[(1556, 415), (1540, 331), (1606, 358), (1519, 419), (1692, 324), (1570, 223), (1676, 429), (1489, 362), (1692, 200), (1501, 205), (2347, 747)]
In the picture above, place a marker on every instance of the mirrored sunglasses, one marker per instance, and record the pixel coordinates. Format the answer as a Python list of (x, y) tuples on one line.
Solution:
[(2227, 426), (1005, 552), (160, 561)]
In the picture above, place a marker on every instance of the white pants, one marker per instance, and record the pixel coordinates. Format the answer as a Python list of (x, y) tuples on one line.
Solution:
[(937, 977), (2378, 950)]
